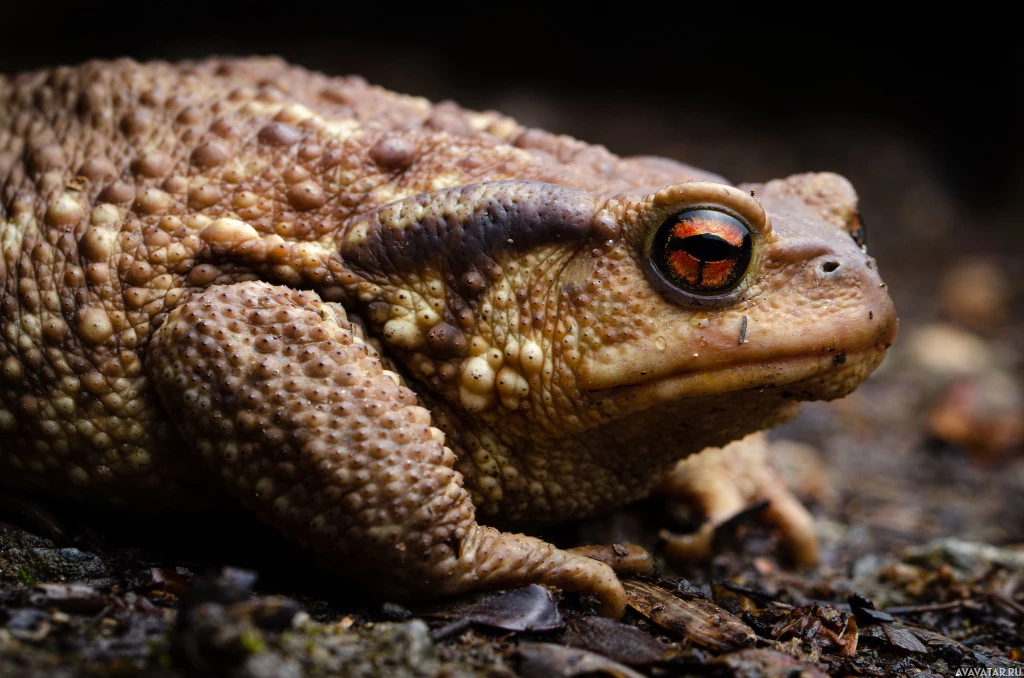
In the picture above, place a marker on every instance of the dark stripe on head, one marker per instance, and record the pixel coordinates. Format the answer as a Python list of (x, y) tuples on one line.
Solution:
[(465, 228)]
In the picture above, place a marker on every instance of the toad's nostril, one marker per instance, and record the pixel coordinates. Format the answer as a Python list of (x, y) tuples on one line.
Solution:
[(830, 266)]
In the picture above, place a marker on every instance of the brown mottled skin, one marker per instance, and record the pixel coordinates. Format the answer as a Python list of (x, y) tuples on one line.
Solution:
[(372, 320)]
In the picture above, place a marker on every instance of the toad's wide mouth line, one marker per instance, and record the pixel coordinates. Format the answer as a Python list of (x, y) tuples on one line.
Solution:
[(738, 377)]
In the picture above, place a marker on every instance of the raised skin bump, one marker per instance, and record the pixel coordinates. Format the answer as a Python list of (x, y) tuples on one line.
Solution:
[(491, 279)]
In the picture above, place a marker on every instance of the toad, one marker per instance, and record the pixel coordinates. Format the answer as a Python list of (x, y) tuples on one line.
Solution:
[(397, 331)]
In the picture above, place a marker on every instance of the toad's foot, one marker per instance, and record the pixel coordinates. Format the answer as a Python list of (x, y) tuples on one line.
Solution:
[(279, 396), (722, 482)]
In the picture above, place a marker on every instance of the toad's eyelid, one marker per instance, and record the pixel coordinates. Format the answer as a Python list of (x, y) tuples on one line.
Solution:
[(695, 195)]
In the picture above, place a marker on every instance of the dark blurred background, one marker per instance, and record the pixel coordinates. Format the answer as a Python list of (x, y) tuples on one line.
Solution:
[(925, 118)]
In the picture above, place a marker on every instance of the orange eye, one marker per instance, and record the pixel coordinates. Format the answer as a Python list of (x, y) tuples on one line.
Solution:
[(702, 251), (859, 231)]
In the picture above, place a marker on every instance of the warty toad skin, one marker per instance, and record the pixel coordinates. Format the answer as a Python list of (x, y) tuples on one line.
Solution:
[(390, 328)]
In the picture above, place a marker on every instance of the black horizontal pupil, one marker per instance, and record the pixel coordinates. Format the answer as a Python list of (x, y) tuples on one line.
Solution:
[(706, 247)]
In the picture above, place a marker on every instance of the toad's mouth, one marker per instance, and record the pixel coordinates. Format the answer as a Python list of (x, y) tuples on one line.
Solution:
[(817, 377)]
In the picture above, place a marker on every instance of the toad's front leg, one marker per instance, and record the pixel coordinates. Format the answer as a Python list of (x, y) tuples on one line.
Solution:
[(281, 399), (721, 482)]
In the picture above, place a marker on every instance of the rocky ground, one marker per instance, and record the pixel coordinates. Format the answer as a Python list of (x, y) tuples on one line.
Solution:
[(916, 481)]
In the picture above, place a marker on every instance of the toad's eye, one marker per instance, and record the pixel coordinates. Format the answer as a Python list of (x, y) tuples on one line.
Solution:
[(702, 251)]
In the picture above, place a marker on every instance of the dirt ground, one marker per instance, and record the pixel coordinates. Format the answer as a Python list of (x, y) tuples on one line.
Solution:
[(916, 482)]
